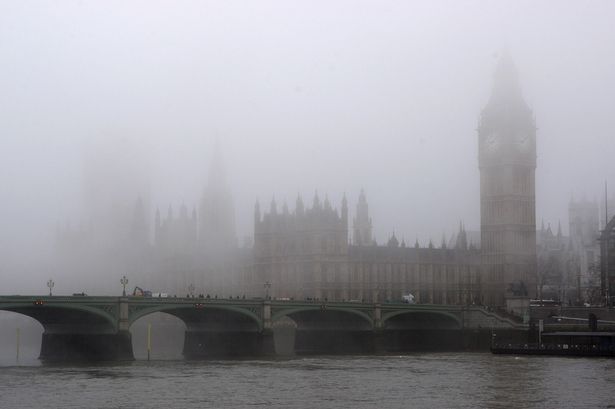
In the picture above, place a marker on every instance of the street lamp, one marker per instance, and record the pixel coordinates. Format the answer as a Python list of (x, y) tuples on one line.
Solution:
[(124, 281), (50, 284), (191, 290), (267, 286)]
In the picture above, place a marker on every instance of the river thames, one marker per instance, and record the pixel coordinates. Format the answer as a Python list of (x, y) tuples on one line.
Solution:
[(434, 380)]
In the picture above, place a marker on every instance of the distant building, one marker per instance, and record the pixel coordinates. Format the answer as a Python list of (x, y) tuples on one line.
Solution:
[(607, 261), (306, 254), (198, 251), (557, 267), (186, 249), (584, 226)]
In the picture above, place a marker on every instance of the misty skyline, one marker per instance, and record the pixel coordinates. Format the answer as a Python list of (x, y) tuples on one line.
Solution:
[(303, 97)]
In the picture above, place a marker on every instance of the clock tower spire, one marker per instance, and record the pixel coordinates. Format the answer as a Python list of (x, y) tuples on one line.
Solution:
[(507, 163)]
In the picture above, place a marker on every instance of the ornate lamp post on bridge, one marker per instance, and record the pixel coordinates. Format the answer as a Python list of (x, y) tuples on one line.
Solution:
[(50, 284), (124, 282), (267, 286)]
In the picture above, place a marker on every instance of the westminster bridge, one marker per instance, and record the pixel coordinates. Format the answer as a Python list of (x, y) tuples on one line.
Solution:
[(98, 328)]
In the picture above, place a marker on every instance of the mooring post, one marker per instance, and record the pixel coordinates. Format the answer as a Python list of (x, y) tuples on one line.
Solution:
[(149, 340)]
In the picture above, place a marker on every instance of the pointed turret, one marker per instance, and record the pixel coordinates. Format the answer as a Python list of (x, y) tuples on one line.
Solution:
[(327, 204), (316, 202), (462, 238), (273, 209), (344, 214), (506, 86), (299, 207), (393, 242), (362, 231)]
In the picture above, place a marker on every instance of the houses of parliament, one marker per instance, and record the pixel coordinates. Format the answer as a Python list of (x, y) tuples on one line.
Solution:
[(314, 251)]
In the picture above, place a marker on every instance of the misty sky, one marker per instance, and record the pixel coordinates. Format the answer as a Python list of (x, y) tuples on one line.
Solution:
[(107, 98)]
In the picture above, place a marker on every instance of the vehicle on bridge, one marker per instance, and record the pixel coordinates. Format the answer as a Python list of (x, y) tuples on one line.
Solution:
[(139, 292), (408, 299)]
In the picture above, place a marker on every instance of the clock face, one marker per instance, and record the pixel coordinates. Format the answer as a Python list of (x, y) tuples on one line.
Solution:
[(523, 141), (491, 143)]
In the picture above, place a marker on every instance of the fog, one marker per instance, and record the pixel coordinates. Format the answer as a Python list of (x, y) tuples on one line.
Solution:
[(104, 102)]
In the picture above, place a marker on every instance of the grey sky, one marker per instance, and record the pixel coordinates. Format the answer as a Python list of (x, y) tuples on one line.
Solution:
[(327, 95)]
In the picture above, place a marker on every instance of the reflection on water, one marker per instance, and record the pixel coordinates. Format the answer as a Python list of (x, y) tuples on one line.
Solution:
[(417, 381)]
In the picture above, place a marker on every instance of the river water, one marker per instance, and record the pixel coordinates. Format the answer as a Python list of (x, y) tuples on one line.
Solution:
[(435, 380)]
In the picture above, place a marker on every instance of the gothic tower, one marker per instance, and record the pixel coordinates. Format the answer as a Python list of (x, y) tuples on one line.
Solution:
[(507, 163), (362, 234), (217, 215)]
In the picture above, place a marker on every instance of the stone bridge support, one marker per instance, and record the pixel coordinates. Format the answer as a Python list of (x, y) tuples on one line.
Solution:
[(70, 335), (86, 346), (215, 331)]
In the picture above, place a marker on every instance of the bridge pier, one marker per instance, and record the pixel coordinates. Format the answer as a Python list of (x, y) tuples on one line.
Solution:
[(380, 342), (86, 347), (331, 341)]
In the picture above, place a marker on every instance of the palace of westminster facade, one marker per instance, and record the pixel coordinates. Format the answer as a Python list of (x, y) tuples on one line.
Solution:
[(307, 253)]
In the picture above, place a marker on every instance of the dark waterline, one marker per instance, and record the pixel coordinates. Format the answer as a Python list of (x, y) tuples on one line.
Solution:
[(435, 380)]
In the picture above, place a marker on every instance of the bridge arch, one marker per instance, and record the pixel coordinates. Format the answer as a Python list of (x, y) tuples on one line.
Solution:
[(323, 312), (324, 329), (30, 334), (211, 329), (57, 315), (421, 319), (189, 313), (158, 335)]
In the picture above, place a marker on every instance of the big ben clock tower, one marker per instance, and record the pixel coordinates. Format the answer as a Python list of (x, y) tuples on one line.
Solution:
[(507, 163)]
